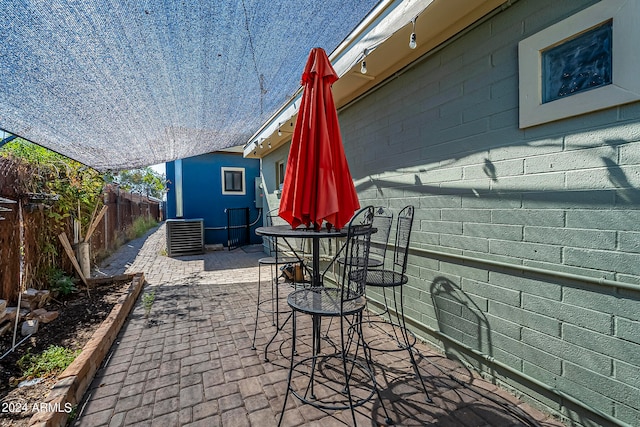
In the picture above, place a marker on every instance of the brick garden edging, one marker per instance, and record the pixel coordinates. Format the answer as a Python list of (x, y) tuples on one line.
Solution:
[(75, 380)]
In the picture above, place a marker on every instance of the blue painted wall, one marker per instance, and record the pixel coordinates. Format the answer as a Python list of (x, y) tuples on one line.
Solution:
[(202, 192)]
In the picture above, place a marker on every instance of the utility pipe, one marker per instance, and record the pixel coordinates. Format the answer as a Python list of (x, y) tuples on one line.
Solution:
[(490, 360), (541, 271)]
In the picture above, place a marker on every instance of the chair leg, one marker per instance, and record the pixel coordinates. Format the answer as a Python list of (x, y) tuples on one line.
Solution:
[(255, 326), (347, 375), (405, 335), (369, 360), (293, 350), (274, 280)]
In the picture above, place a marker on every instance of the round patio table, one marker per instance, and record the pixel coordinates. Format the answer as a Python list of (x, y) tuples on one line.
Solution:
[(286, 232)]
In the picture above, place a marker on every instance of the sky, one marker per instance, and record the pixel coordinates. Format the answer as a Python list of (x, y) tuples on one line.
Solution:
[(159, 168)]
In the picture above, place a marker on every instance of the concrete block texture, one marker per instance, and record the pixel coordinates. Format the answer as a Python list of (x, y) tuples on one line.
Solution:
[(527, 241)]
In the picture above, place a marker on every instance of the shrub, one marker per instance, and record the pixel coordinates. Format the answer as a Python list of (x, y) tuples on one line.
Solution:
[(60, 282), (140, 226), (52, 361)]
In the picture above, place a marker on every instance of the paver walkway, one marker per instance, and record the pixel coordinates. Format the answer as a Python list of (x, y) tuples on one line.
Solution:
[(191, 363)]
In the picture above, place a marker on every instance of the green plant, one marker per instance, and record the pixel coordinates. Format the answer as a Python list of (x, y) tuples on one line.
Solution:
[(59, 188), (52, 361), (65, 285), (143, 181), (139, 227), (147, 302), (60, 282), (72, 415)]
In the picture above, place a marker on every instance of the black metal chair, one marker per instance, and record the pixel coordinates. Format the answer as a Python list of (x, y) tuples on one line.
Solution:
[(338, 380), (395, 277), (382, 221), (277, 259)]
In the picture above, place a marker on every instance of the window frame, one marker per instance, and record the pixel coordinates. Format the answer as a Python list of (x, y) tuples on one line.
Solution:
[(625, 86), (281, 168), (243, 190)]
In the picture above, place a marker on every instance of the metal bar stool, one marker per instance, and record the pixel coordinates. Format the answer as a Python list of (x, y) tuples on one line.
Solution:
[(275, 261), (338, 380), (395, 278), (382, 221)]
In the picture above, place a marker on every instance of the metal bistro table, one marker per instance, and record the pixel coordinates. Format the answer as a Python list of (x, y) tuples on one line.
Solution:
[(286, 232)]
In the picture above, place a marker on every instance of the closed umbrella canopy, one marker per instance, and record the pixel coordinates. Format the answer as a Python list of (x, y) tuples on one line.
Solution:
[(317, 185)]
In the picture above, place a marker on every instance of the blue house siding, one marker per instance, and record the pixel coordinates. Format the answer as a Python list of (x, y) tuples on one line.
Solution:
[(525, 260), (202, 192)]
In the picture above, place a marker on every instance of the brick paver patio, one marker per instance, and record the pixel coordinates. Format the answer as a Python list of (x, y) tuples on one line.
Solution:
[(191, 363)]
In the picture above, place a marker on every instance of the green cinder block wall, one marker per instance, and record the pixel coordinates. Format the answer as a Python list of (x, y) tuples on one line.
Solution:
[(562, 198)]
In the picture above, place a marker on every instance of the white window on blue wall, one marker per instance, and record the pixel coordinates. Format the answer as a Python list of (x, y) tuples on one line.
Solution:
[(233, 181)]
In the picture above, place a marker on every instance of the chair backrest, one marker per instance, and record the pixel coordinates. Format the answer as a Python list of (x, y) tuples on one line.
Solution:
[(271, 218), (403, 236), (354, 274), (382, 220)]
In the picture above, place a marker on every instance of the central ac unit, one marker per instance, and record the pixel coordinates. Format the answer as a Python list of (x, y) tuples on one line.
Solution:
[(185, 236)]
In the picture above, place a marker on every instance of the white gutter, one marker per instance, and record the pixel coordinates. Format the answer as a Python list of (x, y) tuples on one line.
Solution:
[(387, 18)]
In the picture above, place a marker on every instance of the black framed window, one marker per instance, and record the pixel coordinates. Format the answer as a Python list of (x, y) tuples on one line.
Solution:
[(233, 181)]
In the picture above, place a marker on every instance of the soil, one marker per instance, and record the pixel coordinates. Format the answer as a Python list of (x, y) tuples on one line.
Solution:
[(80, 314)]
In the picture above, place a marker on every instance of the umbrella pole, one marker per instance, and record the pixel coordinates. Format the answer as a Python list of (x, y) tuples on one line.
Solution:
[(315, 256)]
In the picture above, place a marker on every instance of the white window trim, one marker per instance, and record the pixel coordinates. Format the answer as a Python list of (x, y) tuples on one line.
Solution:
[(284, 164), (244, 185), (625, 85)]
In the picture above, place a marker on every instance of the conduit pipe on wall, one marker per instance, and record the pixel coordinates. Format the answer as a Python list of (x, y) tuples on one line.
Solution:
[(489, 359), (550, 273), (492, 361)]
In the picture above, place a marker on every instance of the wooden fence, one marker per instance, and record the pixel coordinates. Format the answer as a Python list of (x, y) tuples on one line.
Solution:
[(41, 250)]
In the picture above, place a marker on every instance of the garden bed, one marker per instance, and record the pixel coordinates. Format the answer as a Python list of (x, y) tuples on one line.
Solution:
[(87, 322)]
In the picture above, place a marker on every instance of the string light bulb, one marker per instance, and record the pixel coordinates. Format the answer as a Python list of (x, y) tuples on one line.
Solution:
[(279, 130), (363, 67), (412, 39)]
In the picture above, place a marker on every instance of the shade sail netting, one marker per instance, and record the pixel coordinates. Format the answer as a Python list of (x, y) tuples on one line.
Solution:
[(121, 84)]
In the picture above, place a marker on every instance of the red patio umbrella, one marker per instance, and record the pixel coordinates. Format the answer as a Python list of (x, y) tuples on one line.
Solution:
[(317, 184)]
